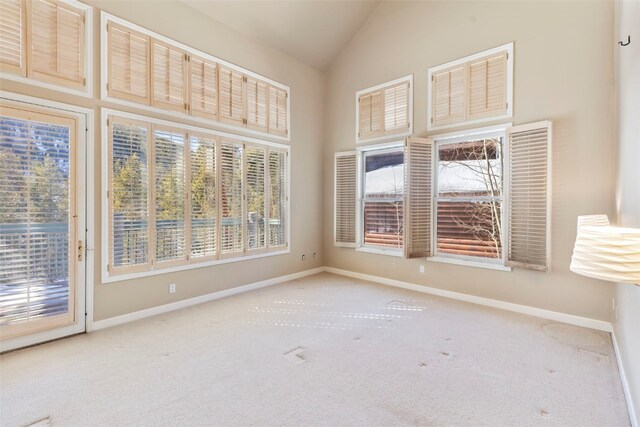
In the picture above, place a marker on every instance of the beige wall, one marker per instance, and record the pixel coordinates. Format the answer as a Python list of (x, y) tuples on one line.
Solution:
[(627, 318), (182, 23), (563, 72)]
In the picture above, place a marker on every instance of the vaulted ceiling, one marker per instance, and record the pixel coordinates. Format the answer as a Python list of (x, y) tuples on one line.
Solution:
[(312, 31)]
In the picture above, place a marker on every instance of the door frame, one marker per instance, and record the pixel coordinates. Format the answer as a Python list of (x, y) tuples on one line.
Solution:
[(85, 201)]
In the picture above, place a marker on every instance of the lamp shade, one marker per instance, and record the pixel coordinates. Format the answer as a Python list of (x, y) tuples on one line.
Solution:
[(606, 252)]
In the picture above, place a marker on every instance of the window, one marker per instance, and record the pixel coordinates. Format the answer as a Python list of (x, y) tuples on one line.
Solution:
[(471, 90), (469, 196), (47, 43), (381, 206), (148, 69), (180, 197), (385, 110)]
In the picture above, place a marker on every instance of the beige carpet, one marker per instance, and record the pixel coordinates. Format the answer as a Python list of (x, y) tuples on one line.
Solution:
[(324, 350)]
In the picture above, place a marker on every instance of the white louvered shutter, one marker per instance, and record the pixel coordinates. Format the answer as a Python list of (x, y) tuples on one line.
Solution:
[(231, 203), (12, 36), (129, 196), (370, 115), (345, 199), (278, 199), (231, 104), (203, 188), (128, 64), (169, 195), (256, 97), (529, 196), (168, 76), (278, 111), (488, 86), (448, 96), (396, 108), (255, 169), (57, 43), (418, 197), (203, 88)]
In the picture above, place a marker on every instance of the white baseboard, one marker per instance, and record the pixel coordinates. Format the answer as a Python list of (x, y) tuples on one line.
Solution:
[(154, 311), (503, 305), (625, 383)]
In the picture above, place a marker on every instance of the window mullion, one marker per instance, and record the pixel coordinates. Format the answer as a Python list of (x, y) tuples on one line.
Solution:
[(151, 188), (187, 196)]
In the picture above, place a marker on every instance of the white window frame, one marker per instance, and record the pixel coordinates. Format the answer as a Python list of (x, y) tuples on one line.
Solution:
[(87, 92), (105, 18), (107, 277), (385, 85), (508, 47), (361, 153), (462, 136)]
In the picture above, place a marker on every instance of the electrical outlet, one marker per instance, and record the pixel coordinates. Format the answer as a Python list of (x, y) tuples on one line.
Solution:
[(422, 269), (314, 254), (303, 257), (172, 288)]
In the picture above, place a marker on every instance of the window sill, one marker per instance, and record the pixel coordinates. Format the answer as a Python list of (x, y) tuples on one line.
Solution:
[(391, 252), (468, 263)]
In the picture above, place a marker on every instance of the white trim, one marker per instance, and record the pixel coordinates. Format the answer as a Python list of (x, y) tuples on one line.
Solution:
[(106, 17), (461, 135), (335, 197), (106, 276), (625, 383), (87, 92), (571, 319), (85, 166), (469, 262), (154, 311), (380, 251), (408, 78), (509, 48)]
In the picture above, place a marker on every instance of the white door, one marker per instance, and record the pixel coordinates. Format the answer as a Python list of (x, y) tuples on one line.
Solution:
[(42, 224)]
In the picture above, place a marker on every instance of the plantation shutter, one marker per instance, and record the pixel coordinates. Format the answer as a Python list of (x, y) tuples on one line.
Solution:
[(168, 76), (418, 197), (345, 199), (278, 200), (204, 88), (231, 203), (169, 195), (255, 166), (57, 43), (203, 195), (278, 111), (396, 108), (128, 195), (231, 96), (12, 36), (448, 91), (529, 196), (256, 104), (128, 62), (488, 86), (371, 115)]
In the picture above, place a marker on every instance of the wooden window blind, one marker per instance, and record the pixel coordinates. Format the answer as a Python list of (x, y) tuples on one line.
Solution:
[(529, 196), (278, 200), (169, 195), (12, 36), (256, 98), (168, 76), (203, 100), (418, 197), (488, 86), (128, 61), (57, 43), (449, 96), (232, 99), (371, 115), (278, 111), (129, 196), (204, 196), (396, 108), (345, 199), (231, 197), (255, 166)]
